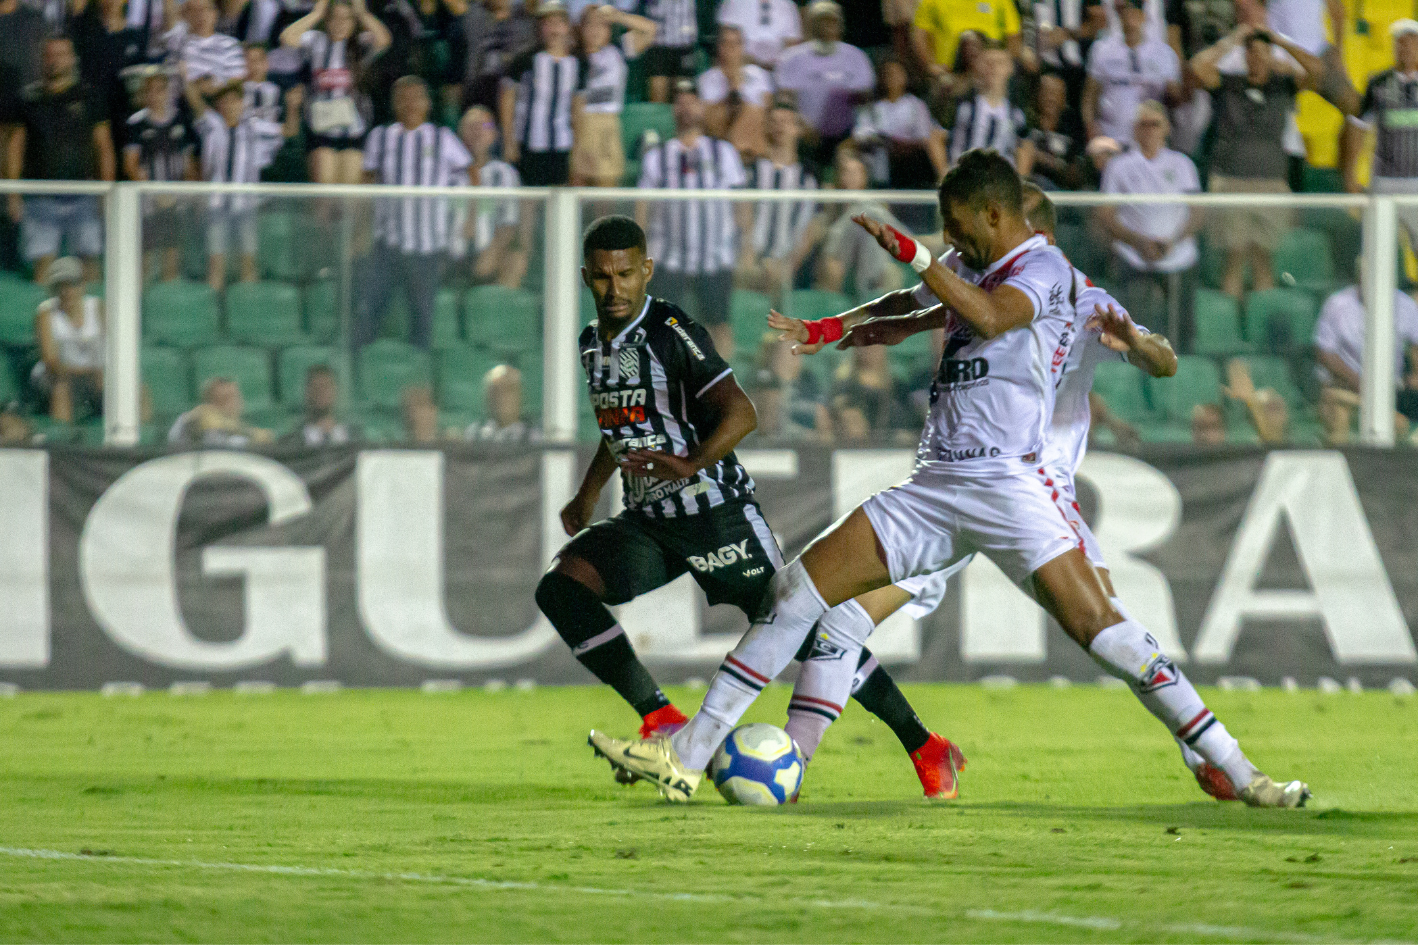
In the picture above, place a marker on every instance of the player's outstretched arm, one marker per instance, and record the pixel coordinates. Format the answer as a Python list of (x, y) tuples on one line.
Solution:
[(1150, 351), (578, 512), (737, 419), (899, 302), (894, 329)]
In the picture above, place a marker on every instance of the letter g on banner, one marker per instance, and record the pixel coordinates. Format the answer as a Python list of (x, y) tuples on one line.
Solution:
[(126, 568)]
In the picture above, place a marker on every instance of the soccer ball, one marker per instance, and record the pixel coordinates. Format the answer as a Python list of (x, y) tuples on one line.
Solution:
[(758, 764)]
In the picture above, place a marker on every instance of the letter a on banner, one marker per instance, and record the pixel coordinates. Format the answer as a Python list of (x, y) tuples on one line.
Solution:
[(1349, 589)]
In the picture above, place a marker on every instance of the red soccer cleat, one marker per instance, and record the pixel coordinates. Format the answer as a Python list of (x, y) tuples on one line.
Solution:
[(1214, 782), (663, 721), (938, 764)]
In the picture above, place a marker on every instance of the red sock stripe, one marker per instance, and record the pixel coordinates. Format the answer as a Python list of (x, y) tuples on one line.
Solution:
[(751, 673), (1182, 732), (823, 702)]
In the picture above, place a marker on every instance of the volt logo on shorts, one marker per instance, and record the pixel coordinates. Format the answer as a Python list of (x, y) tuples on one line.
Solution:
[(722, 558), (1159, 673)]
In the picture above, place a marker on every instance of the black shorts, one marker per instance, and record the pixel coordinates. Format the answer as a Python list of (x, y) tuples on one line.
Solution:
[(729, 550), (333, 142), (544, 168), (672, 61)]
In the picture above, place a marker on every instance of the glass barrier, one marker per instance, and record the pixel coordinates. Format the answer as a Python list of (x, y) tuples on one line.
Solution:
[(305, 319)]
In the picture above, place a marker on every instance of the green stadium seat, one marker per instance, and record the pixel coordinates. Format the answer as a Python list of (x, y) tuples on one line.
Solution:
[(264, 313), (19, 301), (1281, 320), (1306, 256), (1085, 251), (748, 313), (1120, 386), (278, 251), (1198, 381), (1217, 324), (292, 364), (460, 378), (179, 313), (447, 332), (503, 320), (386, 367), (1274, 372), (10, 386), (168, 380), (249, 367), (639, 117), (809, 304), (322, 313)]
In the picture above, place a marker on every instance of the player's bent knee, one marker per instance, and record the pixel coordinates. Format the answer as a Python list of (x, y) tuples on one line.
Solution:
[(581, 571), (565, 601)]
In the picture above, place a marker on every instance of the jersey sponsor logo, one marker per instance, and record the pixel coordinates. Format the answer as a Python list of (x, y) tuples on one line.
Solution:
[(612, 417), (957, 371), (722, 558), (688, 341), (753, 572), (601, 400), (958, 456), (1159, 673)]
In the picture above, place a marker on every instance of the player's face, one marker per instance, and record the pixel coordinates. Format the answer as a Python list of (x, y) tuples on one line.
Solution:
[(617, 279), (969, 230)]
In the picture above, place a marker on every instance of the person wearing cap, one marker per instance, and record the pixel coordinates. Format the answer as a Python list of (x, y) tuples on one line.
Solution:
[(830, 78), (70, 330), (1252, 114), (161, 146), (598, 157), (767, 26), (736, 94), (674, 53), (542, 100), (938, 24), (1390, 107), (1126, 69)]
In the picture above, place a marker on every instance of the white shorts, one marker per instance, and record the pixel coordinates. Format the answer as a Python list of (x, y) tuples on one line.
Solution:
[(932, 521), (928, 590), (1061, 490)]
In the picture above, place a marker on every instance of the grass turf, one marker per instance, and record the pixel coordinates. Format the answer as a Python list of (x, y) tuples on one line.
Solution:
[(398, 816)]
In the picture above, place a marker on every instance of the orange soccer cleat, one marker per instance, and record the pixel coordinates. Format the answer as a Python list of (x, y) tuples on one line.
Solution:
[(938, 764), (663, 721), (1214, 782)]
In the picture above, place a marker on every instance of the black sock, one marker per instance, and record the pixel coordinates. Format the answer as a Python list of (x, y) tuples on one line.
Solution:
[(879, 695), (586, 626)]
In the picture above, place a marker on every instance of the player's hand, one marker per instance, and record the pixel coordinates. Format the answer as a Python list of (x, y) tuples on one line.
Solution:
[(883, 234), (1117, 331), (884, 330), (795, 331), (650, 464), (577, 514)]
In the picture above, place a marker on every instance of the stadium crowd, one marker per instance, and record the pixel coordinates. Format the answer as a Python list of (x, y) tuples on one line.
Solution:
[(1119, 96)]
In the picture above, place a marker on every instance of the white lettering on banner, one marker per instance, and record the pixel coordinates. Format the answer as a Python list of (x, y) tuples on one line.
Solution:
[(400, 561), (126, 567), (857, 474), (24, 559), (1349, 589), (1138, 510)]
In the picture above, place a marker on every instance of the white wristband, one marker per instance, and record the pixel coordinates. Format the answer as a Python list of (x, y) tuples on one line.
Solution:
[(923, 259)]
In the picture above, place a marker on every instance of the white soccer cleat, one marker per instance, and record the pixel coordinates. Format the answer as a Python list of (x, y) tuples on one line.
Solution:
[(652, 759), (1264, 792)]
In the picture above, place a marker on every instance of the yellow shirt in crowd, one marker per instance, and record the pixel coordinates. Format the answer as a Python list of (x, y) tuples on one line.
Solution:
[(945, 20)]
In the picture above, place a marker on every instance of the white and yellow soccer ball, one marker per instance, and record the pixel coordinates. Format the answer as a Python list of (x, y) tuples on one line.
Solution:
[(758, 764)]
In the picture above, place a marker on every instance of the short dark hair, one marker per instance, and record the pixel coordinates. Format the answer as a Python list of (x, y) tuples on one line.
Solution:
[(612, 233), (1043, 217), (982, 175)]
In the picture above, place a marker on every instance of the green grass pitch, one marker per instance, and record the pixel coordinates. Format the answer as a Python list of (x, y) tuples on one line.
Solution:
[(398, 816)]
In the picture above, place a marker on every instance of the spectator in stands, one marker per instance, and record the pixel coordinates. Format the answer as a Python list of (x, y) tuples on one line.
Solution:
[(897, 133), (1265, 408), (420, 415), (161, 146), (1208, 426), (598, 157), (1303, 23), (783, 233), (828, 77), (1100, 153), (419, 28), (410, 233), (1154, 245), (736, 94), (106, 45), (850, 252), (319, 425), (153, 19), (22, 32), (338, 41), (939, 24), (867, 384), (988, 119), (205, 58), (1125, 70), (1339, 353), (1390, 98), (61, 133), (542, 101), (488, 233), (767, 26), (493, 33), (70, 331), (672, 56), (788, 396), (217, 420), (505, 422), (1252, 111), (1125, 435), (694, 242), (260, 97), (236, 147), (1064, 30), (1057, 137)]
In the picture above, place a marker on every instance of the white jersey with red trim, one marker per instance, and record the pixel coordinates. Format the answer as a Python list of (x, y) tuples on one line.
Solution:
[(992, 399)]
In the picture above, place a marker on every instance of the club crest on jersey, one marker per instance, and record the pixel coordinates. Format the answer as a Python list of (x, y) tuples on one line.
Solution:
[(725, 556), (630, 365), (688, 341), (1158, 674)]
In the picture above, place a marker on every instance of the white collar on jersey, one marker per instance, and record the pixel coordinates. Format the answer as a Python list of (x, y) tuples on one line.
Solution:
[(1037, 241), (626, 330)]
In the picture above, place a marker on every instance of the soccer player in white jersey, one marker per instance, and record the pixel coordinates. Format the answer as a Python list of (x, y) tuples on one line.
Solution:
[(979, 485)]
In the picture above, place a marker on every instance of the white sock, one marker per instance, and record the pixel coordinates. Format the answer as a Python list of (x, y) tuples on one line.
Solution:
[(1126, 650), (767, 648), (826, 678), (1189, 757)]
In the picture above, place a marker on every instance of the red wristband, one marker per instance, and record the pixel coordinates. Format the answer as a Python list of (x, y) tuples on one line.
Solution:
[(824, 330), (905, 246)]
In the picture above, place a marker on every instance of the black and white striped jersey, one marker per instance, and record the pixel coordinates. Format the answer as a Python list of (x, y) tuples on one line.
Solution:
[(646, 386), (426, 156), (693, 237), (778, 226), (163, 146), (1391, 106), (546, 84), (980, 124), (676, 22)]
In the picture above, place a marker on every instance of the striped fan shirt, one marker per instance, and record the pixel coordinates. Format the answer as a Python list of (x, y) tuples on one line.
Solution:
[(692, 236), (778, 226), (262, 99), (1391, 107), (676, 22), (162, 145), (218, 56), (489, 215), (334, 72), (646, 386), (426, 156), (236, 155), (978, 124), (546, 84)]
